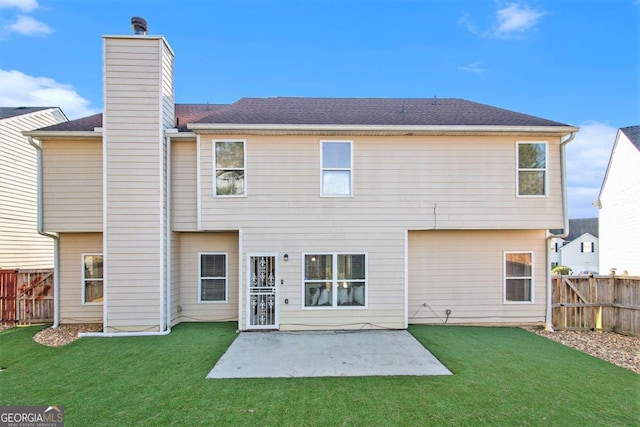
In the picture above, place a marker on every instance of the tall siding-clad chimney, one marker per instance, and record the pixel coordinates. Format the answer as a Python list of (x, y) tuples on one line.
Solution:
[(138, 107)]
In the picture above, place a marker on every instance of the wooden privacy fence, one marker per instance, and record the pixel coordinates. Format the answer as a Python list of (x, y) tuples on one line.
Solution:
[(26, 296), (599, 302)]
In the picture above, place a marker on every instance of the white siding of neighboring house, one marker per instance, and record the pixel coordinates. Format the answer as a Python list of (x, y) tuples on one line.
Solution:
[(555, 257), (576, 255), (463, 271), (619, 215), (138, 104), (72, 179), (20, 244)]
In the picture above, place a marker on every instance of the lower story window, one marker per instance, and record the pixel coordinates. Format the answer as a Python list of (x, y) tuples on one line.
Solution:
[(518, 276), (212, 282), (92, 278), (335, 280)]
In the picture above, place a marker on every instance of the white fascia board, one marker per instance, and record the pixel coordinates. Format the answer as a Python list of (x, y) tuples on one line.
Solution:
[(63, 134), (233, 127)]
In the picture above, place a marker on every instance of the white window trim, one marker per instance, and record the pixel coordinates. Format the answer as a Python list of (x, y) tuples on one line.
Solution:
[(84, 279), (226, 278), (334, 281), (350, 169), (214, 168), (504, 277), (545, 170)]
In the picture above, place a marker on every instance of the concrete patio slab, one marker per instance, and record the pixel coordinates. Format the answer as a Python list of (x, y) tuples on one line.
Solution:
[(326, 354)]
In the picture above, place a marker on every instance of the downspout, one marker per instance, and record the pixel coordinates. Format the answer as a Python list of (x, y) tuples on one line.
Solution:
[(565, 227), (54, 236), (168, 236)]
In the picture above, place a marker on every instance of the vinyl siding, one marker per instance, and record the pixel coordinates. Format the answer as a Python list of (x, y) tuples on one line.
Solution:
[(618, 218), (20, 244), (72, 247), (135, 239), (183, 185), (399, 183), (72, 185), (191, 244), (469, 182), (463, 271), (385, 278)]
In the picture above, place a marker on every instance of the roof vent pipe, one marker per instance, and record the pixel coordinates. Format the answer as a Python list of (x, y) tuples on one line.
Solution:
[(139, 26)]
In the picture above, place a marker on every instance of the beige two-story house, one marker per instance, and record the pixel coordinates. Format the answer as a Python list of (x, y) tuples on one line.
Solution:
[(296, 213)]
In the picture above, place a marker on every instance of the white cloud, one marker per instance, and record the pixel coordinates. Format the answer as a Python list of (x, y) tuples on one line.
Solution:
[(515, 19), (512, 21), (19, 89), (23, 5), (587, 160), (28, 26), (473, 68)]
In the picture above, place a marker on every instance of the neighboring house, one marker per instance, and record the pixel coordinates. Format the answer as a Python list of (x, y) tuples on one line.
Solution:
[(579, 250), (297, 213), (21, 247), (619, 203)]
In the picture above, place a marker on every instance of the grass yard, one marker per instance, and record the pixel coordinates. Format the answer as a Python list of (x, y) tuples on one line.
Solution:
[(502, 376)]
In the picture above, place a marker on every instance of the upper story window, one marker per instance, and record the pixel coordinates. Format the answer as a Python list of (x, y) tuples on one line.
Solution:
[(92, 278), (230, 168), (518, 277), (532, 168), (586, 247), (337, 167)]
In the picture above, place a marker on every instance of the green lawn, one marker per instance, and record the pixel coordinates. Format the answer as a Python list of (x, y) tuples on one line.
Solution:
[(502, 376)]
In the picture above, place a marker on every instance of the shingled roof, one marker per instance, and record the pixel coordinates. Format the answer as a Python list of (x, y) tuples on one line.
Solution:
[(336, 111), (7, 112), (633, 133), (185, 113), (370, 111)]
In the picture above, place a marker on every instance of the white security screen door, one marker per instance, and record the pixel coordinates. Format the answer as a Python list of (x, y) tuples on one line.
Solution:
[(262, 292)]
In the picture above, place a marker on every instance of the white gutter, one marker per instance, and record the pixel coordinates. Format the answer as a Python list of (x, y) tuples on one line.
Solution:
[(97, 132), (54, 236), (565, 227), (383, 128)]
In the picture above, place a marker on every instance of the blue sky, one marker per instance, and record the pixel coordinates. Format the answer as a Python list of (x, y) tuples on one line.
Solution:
[(571, 61)]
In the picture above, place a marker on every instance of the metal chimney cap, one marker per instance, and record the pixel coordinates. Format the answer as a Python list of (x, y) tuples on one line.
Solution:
[(139, 26)]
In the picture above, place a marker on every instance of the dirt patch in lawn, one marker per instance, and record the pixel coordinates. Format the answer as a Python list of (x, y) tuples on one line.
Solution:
[(621, 350), (64, 334)]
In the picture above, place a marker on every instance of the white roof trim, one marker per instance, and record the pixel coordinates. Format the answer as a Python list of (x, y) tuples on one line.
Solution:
[(403, 129)]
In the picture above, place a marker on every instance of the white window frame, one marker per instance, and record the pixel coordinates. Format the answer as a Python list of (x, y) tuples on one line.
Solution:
[(349, 169), (504, 277), (545, 169), (85, 279), (587, 245), (226, 278), (334, 282), (215, 168)]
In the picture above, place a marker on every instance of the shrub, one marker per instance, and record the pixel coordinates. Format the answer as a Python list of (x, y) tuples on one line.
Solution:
[(562, 270)]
